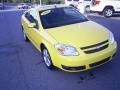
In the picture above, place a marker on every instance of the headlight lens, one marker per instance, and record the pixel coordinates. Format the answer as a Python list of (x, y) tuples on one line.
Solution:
[(66, 50), (111, 38)]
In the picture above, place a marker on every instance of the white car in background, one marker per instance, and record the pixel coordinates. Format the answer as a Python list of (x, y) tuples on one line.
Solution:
[(22, 6), (105, 7), (82, 5)]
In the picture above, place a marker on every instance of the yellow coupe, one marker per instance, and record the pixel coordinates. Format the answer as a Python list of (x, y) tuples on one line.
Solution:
[(67, 39)]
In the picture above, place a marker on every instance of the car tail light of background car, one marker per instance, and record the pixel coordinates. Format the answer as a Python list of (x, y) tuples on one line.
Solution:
[(96, 2)]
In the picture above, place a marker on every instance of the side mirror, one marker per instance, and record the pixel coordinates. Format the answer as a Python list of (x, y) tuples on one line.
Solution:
[(31, 25)]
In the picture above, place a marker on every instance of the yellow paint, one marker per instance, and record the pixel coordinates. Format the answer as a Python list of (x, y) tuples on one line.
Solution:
[(77, 35)]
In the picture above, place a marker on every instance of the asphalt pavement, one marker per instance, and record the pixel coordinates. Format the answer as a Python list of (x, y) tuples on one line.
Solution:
[(22, 68)]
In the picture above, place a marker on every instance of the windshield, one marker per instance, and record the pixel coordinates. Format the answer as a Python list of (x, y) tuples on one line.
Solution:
[(61, 16)]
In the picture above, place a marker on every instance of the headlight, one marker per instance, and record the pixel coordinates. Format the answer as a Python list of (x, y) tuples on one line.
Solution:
[(66, 50), (111, 38)]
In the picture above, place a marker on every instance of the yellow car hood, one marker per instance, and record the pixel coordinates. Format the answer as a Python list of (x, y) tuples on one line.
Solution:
[(79, 35)]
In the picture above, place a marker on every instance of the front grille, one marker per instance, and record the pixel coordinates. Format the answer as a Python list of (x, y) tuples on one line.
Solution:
[(100, 62), (96, 47), (73, 68), (96, 50)]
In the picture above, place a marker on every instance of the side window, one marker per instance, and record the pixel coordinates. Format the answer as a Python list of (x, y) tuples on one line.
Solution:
[(32, 17), (29, 17), (34, 14)]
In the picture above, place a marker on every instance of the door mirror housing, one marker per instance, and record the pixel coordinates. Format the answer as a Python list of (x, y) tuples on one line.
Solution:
[(31, 25)]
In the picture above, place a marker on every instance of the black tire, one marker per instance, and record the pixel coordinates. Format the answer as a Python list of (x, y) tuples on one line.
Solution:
[(108, 12), (87, 9), (25, 37), (47, 58)]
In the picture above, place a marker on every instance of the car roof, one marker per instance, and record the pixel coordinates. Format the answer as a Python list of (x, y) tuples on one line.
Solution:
[(45, 7)]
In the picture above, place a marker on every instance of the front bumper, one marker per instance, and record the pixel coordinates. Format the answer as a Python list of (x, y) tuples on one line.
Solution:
[(86, 61)]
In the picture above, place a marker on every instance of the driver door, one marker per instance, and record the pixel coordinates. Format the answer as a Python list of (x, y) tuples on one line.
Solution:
[(34, 32)]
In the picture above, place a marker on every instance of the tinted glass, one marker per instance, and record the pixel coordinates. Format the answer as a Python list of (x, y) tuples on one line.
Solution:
[(29, 17), (61, 16), (75, 0), (87, 0)]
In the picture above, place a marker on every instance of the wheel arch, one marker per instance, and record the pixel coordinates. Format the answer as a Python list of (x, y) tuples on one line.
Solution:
[(50, 49), (109, 6), (47, 46), (42, 45)]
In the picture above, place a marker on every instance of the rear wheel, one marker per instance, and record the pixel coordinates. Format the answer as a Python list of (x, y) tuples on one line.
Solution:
[(87, 9), (25, 37), (108, 12), (47, 58)]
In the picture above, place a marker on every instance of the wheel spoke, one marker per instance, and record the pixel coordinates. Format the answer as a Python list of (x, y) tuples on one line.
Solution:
[(108, 12), (46, 57)]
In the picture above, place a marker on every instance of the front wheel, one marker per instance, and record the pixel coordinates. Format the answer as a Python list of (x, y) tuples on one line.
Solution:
[(47, 58), (108, 12)]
